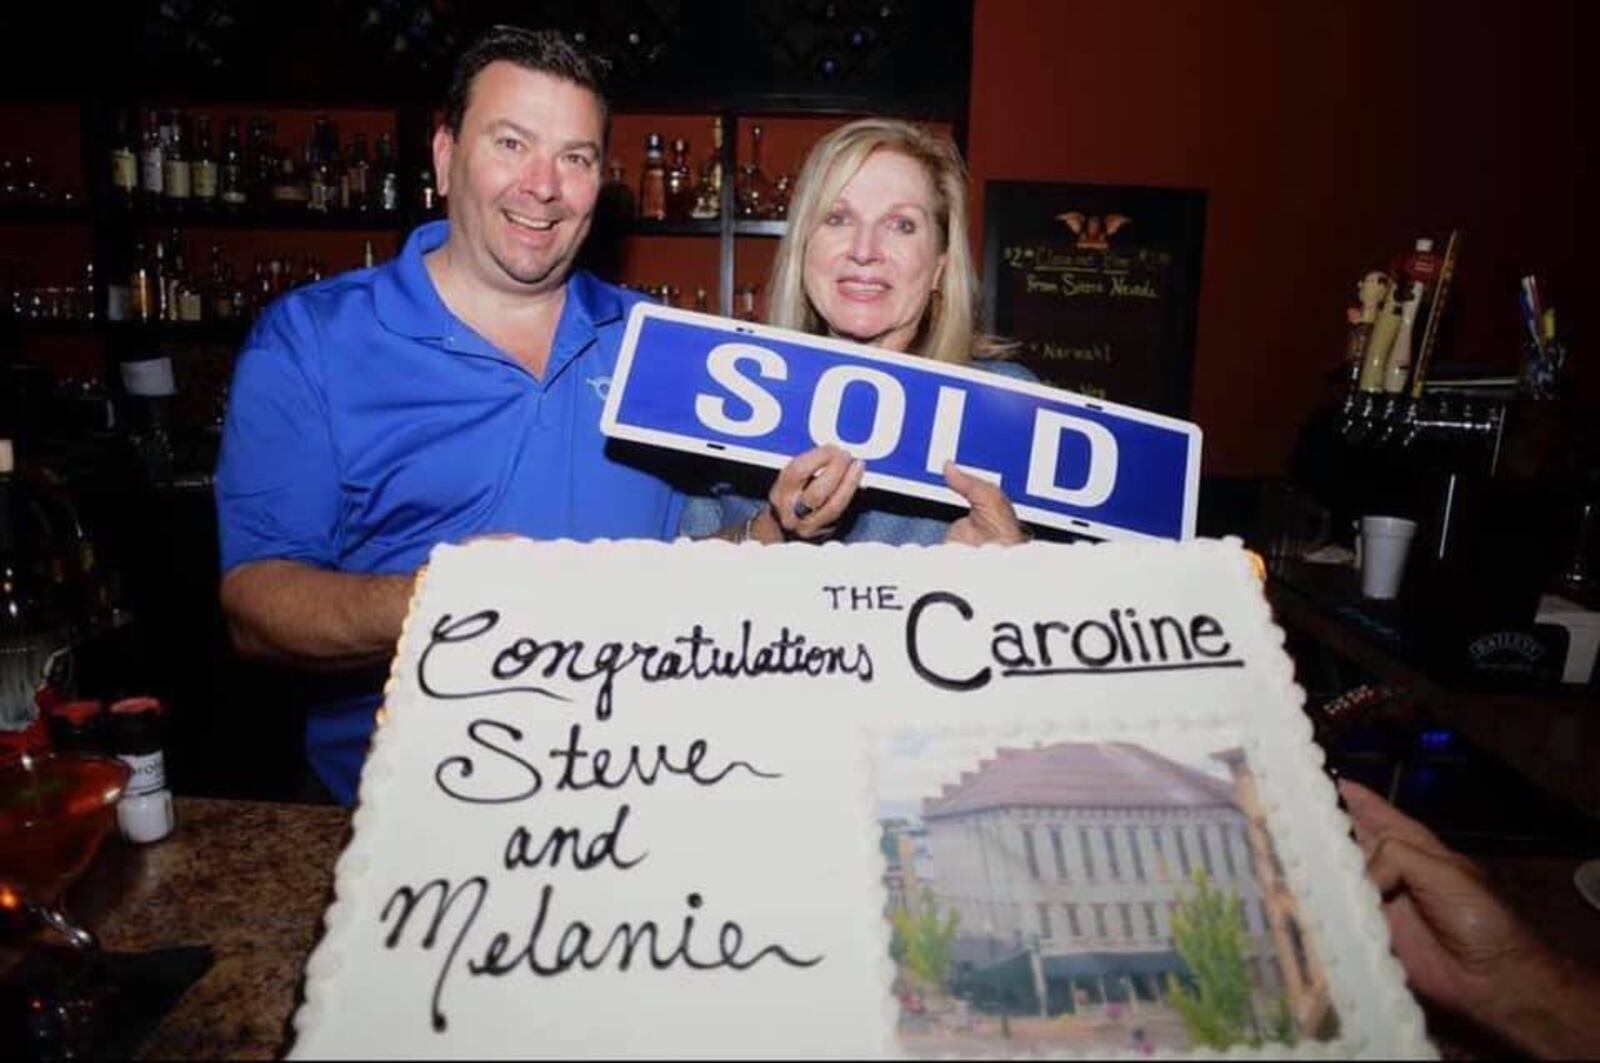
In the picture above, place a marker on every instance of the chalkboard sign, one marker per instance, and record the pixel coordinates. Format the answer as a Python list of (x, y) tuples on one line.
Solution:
[(1100, 284)]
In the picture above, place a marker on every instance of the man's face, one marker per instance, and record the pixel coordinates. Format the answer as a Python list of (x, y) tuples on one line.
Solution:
[(522, 177)]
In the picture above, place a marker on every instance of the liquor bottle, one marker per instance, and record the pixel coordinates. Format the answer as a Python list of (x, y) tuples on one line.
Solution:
[(715, 159), (91, 293), (190, 299), (141, 286), (653, 181), (782, 189), (203, 167), (221, 285), (753, 189), (263, 159), (319, 173), (744, 302), (615, 195), (174, 165), (680, 182), (368, 259), (387, 180), (427, 196), (160, 282), (260, 289), (289, 186), (357, 176), (702, 300), (151, 158), (124, 160), (708, 192), (230, 175)]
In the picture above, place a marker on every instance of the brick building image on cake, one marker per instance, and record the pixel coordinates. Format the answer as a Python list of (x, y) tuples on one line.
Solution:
[(1056, 873)]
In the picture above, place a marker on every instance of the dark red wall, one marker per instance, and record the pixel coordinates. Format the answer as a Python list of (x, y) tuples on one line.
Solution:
[(1328, 135)]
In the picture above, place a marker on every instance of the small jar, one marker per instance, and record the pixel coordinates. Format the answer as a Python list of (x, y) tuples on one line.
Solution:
[(145, 812)]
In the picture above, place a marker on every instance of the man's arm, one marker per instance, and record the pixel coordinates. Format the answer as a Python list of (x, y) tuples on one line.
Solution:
[(1464, 949), (311, 617)]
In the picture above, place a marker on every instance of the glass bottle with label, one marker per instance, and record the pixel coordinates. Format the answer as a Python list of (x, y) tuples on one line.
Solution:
[(754, 188), (175, 186), (152, 155), (203, 167), (653, 181), (124, 160), (680, 182), (141, 286), (230, 174)]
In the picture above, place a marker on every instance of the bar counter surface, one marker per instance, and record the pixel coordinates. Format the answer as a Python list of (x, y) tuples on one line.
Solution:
[(252, 879), (247, 878)]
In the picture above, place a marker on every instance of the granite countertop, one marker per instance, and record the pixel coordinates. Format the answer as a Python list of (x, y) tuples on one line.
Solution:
[(251, 880), (247, 878)]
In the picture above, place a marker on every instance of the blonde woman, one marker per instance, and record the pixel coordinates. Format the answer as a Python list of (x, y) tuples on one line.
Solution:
[(876, 252)]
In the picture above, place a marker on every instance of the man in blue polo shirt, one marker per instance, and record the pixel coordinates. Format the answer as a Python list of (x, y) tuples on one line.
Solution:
[(453, 392)]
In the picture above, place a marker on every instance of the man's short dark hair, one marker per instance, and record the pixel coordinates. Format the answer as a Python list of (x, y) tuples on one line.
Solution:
[(543, 51)]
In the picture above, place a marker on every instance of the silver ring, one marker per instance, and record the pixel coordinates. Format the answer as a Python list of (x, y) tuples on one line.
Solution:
[(801, 510)]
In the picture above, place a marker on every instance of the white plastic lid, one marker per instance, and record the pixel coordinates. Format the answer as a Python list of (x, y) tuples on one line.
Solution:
[(1424, 244)]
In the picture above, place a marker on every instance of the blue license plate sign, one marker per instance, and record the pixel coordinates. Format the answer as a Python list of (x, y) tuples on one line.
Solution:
[(761, 395)]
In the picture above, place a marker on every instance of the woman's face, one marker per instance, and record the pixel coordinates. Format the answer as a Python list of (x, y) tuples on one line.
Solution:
[(873, 262)]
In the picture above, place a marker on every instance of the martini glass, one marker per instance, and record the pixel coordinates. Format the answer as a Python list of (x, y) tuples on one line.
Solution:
[(55, 809)]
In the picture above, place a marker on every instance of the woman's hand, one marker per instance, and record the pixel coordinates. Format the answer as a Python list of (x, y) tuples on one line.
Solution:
[(991, 518), (809, 496)]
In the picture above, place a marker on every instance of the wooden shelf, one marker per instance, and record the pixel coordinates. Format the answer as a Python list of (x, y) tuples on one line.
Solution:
[(43, 214)]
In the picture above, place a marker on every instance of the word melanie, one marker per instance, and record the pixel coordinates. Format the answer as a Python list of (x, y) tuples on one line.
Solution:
[(696, 655), (758, 413), (1122, 642), (552, 947)]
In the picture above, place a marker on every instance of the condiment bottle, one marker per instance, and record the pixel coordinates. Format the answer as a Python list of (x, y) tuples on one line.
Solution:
[(145, 811)]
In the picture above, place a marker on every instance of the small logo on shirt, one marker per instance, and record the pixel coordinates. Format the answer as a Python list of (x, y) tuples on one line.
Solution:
[(601, 385)]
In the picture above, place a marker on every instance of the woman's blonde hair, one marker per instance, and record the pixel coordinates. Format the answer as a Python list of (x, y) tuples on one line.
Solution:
[(948, 328)]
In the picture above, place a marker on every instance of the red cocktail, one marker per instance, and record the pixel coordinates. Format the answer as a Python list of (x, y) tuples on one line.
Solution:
[(55, 809)]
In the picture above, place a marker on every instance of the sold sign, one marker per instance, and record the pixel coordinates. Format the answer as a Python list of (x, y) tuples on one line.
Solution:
[(762, 395)]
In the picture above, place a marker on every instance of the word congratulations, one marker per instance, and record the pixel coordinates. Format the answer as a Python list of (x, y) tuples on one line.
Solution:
[(1122, 642), (695, 656)]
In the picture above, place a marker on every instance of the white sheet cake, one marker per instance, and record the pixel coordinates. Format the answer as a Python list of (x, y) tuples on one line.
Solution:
[(711, 800)]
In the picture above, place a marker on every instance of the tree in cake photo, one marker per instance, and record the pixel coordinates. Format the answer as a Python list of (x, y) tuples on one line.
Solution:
[(1089, 896)]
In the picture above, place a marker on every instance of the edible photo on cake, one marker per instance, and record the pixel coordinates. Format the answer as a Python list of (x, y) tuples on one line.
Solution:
[(1089, 897)]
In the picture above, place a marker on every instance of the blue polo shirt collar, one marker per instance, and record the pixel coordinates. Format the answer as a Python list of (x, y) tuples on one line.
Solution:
[(408, 304)]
